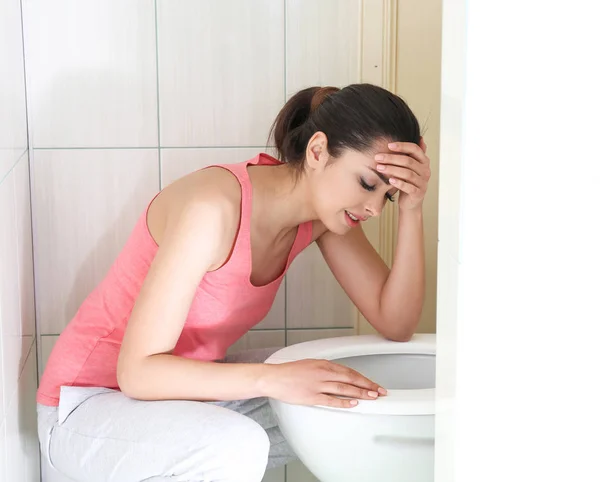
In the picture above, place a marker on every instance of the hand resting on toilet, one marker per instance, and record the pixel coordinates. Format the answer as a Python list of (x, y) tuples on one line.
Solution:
[(318, 382)]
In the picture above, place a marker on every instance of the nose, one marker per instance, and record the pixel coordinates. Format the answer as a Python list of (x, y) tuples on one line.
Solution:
[(375, 204), (374, 209)]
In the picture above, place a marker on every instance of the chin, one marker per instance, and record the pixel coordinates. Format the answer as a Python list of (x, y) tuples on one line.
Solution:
[(336, 224), (337, 229)]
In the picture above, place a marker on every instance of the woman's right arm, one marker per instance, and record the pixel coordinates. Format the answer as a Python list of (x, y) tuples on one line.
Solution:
[(147, 370)]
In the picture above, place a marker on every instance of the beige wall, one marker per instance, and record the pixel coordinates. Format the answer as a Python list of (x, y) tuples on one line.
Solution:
[(418, 80)]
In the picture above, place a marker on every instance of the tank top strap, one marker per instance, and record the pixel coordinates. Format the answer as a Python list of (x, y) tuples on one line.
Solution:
[(241, 250), (239, 256), (305, 236)]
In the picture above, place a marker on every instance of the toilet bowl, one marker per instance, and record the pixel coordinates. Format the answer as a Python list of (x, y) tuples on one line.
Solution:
[(390, 439)]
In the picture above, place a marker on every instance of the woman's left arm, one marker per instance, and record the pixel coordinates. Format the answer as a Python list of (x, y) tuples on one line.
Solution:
[(391, 300), (404, 290)]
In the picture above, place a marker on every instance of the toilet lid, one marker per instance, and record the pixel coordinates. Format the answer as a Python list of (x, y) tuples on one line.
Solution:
[(396, 402)]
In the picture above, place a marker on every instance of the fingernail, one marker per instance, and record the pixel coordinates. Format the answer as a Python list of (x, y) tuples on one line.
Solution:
[(379, 157), (393, 180), (392, 145), (353, 402), (380, 167), (373, 394), (382, 390)]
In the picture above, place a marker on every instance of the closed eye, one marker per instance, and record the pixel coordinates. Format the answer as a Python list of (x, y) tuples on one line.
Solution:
[(369, 187)]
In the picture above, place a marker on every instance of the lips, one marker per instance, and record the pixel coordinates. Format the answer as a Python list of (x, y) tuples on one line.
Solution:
[(352, 219), (355, 217)]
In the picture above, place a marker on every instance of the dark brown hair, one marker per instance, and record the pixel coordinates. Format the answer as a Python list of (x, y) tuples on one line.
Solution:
[(352, 118)]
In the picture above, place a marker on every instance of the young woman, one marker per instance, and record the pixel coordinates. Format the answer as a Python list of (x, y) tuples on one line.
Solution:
[(138, 386)]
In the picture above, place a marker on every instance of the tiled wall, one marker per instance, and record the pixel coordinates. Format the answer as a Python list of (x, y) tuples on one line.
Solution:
[(125, 97), (19, 454)]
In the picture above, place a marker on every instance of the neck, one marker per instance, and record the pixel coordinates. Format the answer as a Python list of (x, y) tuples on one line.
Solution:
[(281, 200)]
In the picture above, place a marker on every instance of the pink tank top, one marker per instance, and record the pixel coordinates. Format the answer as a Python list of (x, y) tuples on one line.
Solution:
[(225, 307)]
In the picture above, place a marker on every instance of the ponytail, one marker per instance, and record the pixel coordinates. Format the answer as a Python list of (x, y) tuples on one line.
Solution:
[(351, 118), (290, 130)]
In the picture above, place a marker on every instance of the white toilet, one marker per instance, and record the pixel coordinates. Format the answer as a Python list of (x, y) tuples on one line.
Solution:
[(390, 439)]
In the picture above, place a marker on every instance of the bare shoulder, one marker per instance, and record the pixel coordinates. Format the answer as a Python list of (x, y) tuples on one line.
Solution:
[(209, 199), (213, 186)]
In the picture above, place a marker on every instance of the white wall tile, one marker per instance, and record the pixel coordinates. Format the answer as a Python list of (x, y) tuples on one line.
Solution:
[(29, 438), (4, 247), (91, 69), (297, 472), (15, 462), (276, 316), (323, 48), (179, 162), (9, 291), (13, 125), (8, 159), (300, 336), (23, 463), (313, 304), (275, 475), (25, 253), (259, 339), (220, 71), (323, 43), (85, 204), (47, 344)]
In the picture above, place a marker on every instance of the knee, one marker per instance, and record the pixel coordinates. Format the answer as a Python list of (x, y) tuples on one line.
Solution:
[(244, 452)]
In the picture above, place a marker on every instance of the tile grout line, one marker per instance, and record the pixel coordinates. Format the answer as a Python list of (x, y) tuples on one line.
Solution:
[(36, 331), (11, 168), (82, 148), (267, 330), (19, 272), (11, 398), (31, 175)]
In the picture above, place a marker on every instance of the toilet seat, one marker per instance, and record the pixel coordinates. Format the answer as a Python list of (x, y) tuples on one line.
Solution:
[(396, 402)]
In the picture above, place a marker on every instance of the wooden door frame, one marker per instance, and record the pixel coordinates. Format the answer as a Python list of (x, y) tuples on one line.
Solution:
[(378, 64)]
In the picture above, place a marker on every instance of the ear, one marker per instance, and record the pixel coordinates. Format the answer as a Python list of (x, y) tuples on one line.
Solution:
[(316, 151)]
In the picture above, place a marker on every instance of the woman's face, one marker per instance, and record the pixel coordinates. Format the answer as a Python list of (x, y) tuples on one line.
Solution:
[(346, 190)]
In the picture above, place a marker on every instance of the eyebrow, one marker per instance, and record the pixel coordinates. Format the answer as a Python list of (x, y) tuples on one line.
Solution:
[(381, 176)]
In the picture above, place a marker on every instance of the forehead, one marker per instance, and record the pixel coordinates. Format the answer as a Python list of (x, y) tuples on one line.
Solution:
[(367, 158), (364, 162)]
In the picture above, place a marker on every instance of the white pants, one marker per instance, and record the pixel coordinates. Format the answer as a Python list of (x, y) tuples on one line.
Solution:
[(101, 435)]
